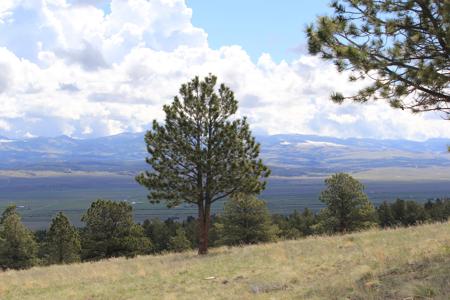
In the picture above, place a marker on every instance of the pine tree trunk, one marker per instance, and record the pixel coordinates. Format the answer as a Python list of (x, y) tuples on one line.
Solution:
[(203, 226)]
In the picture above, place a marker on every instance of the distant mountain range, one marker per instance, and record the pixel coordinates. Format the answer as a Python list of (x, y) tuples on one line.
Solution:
[(287, 155)]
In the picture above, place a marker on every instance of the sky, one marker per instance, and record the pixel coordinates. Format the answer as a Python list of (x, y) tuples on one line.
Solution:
[(89, 68), (274, 27)]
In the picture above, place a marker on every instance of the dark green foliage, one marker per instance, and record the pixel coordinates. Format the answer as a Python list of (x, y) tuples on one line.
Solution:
[(303, 222), (63, 242), (385, 216), (246, 220), (408, 212), (40, 236), (214, 233), (179, 242), (18, 249), (285, 231), (403, 46), (438, 210), (159, 233), (200, 154), (10, 210), (415, 213), (110, 231), (348, 207), (296, 225), (190, 226)]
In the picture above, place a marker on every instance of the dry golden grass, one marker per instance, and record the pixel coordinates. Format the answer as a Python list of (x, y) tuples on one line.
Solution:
[(389, 264)]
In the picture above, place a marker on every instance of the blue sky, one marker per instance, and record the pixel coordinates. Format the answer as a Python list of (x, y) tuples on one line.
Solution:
[(274, 27), (89, 68)]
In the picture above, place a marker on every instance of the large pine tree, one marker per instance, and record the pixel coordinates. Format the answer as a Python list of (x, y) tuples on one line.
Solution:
[(202, 154), (402, 46)]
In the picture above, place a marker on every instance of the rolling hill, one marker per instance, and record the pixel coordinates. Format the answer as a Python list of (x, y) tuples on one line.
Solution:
[(405, 263), (287, 155)]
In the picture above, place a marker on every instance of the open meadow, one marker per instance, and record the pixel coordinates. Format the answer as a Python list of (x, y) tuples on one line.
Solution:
[(405, 263)]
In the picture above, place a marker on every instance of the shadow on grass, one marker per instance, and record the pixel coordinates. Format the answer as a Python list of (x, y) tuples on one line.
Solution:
[(427, 279)]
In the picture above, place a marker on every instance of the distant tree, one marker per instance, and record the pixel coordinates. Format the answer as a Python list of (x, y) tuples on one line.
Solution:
[(63, 241), (179, 242), (408, 213), (9, 210), (303, 222), (348, 207), (40, 235), (201, 155), (190, 226), (110, 231), (385, 215), (296, 225), (18, 248), (214, 233), (446, 207), (246, 220), (438, 210), (159, 233), (403, 46), (398, 209), (286, 228), (415, 213)]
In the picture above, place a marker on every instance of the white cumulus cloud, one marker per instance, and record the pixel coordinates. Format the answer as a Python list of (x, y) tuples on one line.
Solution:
[(91, 68)]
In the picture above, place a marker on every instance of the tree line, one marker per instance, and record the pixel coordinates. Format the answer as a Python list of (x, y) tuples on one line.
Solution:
[(110, 231)]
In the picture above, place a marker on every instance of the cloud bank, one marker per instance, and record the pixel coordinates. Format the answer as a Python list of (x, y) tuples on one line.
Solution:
[(91, 68)]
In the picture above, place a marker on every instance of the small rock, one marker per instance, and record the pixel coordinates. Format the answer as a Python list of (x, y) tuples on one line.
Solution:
[(267, 288), (255, 289)]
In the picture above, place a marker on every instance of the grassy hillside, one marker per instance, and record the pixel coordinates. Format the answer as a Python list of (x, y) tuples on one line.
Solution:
[(390, 264)]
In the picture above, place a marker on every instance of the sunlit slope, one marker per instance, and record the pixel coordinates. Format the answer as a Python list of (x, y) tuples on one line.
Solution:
[(390, 264)]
